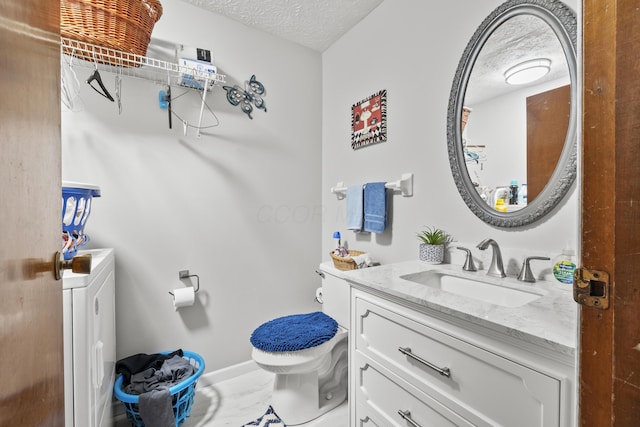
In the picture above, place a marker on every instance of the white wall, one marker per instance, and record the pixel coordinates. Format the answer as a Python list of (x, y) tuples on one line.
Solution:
[(411, 48), (240, 206)]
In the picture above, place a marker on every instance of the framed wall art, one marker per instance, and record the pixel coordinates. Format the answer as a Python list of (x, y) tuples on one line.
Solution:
[(369, 120)]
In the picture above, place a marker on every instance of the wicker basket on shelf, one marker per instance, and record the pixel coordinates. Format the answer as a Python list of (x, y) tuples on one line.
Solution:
[(345, 263), (121, 25)]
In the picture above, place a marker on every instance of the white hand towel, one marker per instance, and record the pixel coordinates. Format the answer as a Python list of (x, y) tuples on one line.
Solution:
[(362, 260)]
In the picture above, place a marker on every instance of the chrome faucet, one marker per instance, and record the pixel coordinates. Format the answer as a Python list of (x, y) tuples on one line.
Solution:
[(496, 268), (525, 272), (468, 262)]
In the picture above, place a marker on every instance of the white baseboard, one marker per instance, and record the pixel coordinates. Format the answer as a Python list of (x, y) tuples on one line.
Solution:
[(227, 373), (207, 378)]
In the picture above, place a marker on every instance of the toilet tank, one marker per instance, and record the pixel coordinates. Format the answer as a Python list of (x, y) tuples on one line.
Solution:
[(335, 294)]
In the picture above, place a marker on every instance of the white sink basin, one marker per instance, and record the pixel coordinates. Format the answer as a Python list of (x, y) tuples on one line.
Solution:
[(481, 289)]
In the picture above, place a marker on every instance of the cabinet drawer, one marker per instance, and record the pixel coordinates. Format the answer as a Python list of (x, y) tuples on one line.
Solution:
[(379, 398), (481, 386)]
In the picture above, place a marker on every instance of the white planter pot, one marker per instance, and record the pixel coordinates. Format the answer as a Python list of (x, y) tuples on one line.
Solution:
[(433, 254)]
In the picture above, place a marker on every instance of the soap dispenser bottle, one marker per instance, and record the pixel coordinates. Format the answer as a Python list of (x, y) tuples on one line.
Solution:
[(340, 250), (564, 265), (513, 192), (522, 195)]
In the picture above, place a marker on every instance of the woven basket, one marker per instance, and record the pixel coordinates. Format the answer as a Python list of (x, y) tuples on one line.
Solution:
[(345, 263), (122, 25)]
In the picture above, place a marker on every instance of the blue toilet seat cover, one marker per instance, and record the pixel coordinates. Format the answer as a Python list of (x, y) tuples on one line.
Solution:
[(295, 332)]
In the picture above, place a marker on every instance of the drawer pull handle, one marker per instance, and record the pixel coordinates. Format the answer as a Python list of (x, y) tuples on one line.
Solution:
[(442, 371), (406, 415)]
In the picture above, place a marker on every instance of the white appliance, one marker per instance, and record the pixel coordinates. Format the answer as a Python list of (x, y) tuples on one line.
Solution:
[(90, 342)]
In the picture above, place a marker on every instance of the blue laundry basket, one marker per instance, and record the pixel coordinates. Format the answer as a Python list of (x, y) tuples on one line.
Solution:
[(76, 207), (182, 394)]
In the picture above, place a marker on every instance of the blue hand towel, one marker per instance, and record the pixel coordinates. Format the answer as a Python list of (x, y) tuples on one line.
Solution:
[(375, 207), (354, 208)]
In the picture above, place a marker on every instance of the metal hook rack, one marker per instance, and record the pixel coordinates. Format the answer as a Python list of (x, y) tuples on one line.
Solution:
[(131, 64), (138, 66)]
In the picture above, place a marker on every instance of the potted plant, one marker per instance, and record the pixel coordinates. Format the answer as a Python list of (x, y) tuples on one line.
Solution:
[(433, 241)]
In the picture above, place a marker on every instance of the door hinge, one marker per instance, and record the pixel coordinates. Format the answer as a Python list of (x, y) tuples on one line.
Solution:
[(591, 288)]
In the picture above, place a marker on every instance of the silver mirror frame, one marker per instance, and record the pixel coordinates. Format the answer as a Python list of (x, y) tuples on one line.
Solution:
[(562, 21)]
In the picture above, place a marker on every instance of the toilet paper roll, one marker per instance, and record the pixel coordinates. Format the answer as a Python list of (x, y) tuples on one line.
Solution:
[(183, 297), (319, 295)]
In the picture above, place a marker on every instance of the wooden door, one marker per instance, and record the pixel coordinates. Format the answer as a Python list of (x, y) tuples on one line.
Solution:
[(547, 125), (31, 341), (609, 381)]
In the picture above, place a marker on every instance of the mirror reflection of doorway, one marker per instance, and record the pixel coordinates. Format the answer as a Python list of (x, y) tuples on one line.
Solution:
[(547, 124)]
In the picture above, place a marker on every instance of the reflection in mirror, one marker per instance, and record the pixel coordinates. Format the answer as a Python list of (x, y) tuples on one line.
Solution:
[(502, 128), (515, 140)]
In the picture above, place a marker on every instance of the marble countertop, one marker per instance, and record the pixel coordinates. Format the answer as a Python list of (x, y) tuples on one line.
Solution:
[(549, 321)]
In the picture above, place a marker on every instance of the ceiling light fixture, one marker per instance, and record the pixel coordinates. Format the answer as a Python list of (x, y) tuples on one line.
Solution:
[(528, 71)]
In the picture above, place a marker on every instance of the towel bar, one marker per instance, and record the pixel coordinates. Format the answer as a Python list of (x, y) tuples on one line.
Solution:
[(404, 185)]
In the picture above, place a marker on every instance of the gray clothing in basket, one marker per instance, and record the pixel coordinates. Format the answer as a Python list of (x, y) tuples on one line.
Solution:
[(155, 402), (155, 408)]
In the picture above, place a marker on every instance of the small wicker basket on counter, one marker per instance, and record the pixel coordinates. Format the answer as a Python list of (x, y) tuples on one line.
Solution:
[(345, 263), (122, 25)]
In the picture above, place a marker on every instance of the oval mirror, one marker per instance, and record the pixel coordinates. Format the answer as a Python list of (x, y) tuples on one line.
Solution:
[(513, 111)]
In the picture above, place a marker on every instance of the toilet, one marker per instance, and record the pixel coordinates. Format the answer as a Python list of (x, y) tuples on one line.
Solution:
[(308, 353)]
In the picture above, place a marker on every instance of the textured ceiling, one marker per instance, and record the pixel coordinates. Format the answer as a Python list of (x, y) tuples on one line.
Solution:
[(312, 23), (519, 39)]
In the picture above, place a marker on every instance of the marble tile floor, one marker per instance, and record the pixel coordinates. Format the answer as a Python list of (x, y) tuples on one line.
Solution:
[(242, 399)]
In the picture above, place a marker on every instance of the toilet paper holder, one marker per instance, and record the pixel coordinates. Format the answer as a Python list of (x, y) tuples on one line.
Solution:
[(184, 274)]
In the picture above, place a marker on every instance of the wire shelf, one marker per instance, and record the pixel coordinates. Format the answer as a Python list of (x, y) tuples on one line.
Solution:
[(133, 65)]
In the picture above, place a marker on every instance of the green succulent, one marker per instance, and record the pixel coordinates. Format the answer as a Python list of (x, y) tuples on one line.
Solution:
[(434, 236)]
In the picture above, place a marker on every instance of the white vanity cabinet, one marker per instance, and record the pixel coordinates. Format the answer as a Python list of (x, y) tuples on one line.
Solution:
[(413, 367)]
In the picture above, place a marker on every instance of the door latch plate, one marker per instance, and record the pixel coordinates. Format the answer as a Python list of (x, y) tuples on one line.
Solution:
[(591, 288)]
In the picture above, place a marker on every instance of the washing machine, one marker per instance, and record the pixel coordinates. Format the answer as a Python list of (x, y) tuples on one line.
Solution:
[(90, 342)]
